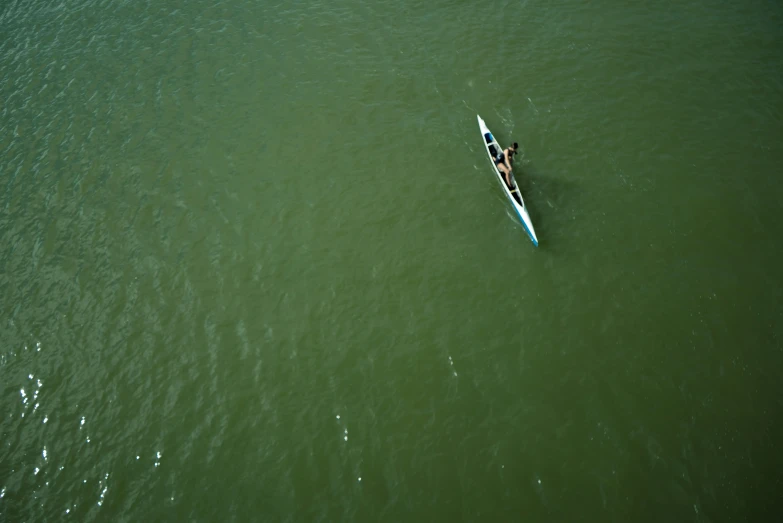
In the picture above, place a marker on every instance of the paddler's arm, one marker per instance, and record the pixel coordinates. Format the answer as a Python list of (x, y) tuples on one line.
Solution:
[(508, 165)]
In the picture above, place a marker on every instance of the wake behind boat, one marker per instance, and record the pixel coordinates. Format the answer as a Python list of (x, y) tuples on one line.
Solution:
[(493, 149)]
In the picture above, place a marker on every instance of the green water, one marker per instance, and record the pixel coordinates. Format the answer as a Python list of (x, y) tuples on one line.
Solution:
[(255, 265)]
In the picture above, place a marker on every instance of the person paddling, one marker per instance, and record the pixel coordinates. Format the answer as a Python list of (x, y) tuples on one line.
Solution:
[(503, 162)]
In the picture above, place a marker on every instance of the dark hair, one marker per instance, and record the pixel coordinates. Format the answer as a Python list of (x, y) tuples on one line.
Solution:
[(516, 146)]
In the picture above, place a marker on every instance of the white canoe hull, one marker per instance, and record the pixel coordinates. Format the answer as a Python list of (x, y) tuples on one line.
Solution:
[(514, 196)]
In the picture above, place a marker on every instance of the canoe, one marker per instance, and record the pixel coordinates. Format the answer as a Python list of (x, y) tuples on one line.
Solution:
[(493, 149)]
